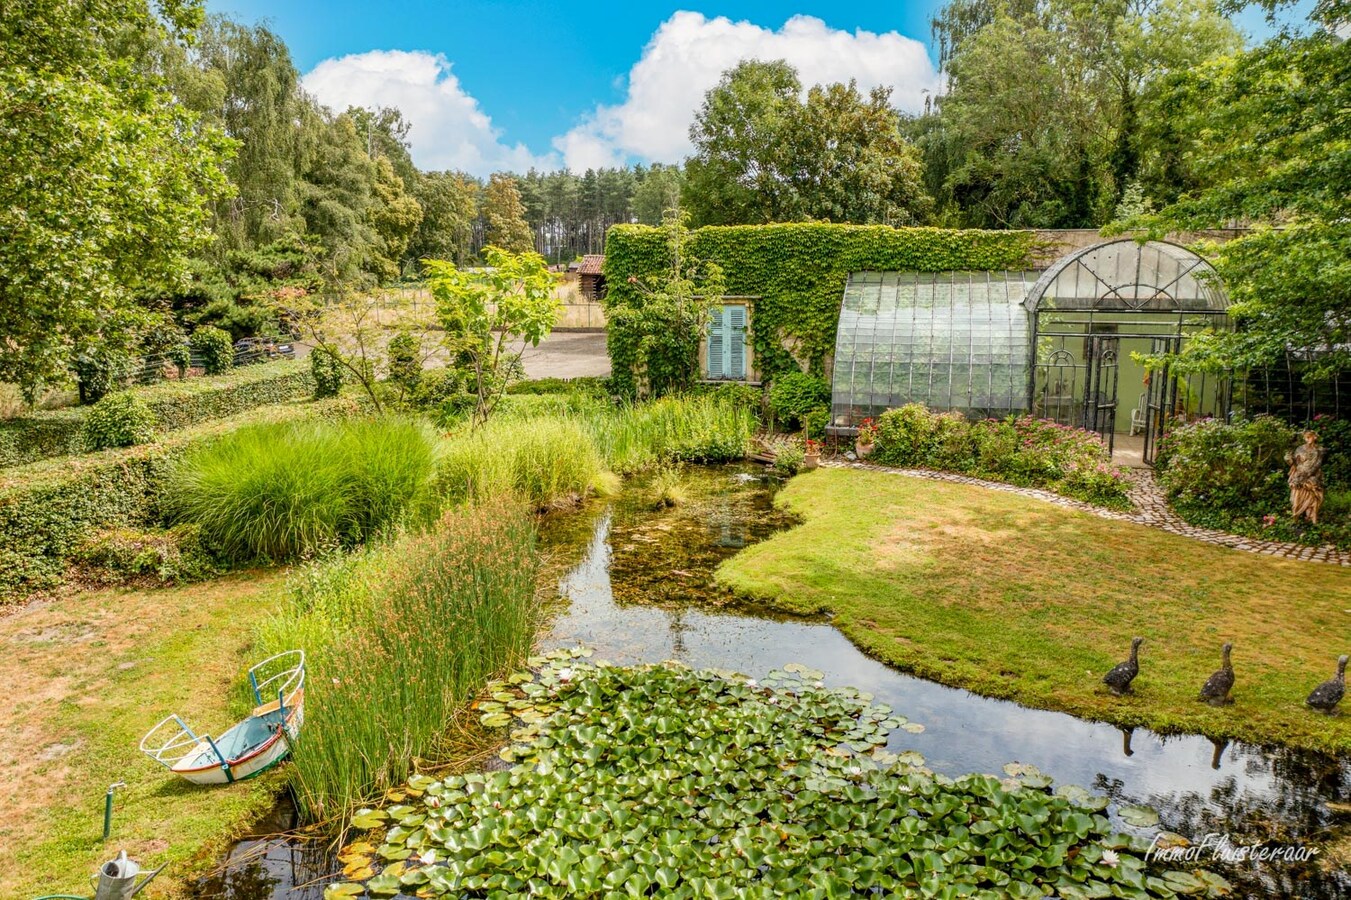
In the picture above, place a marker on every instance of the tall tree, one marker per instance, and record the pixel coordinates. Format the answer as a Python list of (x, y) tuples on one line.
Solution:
[(1276, 156), (1053, 108), (505, 215), (764, 155), (734, 175), (104, 180), (395, 215), (657, 191), (449, 202)]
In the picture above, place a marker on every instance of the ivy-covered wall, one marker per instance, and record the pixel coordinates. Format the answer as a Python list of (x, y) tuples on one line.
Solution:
[(797, 272)]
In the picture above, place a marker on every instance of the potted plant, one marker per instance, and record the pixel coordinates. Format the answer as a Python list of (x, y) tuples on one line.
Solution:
[(812, 457), (865, 439)]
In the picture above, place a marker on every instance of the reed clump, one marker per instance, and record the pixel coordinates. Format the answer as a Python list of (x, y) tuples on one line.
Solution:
[(402, 638)]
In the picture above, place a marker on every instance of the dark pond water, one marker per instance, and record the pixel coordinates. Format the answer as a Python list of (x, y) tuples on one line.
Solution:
[(637, 587)]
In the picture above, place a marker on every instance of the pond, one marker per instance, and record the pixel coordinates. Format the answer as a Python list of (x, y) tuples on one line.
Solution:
[(636, 586)]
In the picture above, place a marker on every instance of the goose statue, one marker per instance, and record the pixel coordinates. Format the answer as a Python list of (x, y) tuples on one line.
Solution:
[(1217, 687), (1119, 680), (1327, 695)]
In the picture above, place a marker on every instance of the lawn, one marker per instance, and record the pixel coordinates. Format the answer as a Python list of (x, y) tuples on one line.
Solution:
[(87, 676), (1016, 598)]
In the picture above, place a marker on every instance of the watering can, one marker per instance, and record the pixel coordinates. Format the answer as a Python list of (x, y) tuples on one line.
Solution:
[(117, 879)]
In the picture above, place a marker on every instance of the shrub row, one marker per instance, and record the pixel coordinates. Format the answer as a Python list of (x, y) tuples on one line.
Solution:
[(174, 405), (1018, 450), (50, 508)]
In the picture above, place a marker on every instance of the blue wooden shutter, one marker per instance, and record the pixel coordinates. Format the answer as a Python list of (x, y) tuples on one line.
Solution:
[(717, 343), (736, 342)]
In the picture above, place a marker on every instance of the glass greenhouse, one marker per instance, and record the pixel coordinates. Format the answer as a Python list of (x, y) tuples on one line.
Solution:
[(1064, 344), (950, 340)]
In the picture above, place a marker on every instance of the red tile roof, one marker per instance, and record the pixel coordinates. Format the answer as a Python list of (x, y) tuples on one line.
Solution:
[(591, 264)]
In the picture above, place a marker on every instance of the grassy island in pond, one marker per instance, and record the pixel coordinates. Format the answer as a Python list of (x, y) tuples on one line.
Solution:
[(1017, 598)]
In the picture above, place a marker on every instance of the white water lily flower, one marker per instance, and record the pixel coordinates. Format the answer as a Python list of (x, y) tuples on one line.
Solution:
[(855, 770), (751, 682), (565, 675), (1110, 859), (819, 684)]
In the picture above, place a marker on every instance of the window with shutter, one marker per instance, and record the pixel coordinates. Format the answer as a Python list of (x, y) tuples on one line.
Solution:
[(735, 326), (717, 343)]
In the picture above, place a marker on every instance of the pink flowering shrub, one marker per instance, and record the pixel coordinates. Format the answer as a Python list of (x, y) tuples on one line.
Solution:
[(1018, 450)]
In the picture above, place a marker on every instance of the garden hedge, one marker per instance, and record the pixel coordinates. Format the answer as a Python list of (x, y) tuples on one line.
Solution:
[(49, 508), (174, 404), (797, 272)]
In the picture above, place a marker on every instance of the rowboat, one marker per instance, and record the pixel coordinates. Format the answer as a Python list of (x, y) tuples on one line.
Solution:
[(252, 746)]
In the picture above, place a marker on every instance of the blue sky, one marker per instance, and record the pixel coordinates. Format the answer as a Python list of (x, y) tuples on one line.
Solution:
[(491, 85)]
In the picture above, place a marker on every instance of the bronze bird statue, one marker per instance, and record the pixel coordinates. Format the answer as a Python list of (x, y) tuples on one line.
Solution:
[(1327, 695), (1119, 680), (1217, 687)]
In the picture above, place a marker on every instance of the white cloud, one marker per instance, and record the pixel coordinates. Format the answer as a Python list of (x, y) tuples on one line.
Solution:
[(449, 130), (688, 54)]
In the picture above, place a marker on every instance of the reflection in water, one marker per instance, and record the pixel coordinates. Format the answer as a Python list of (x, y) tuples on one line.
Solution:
[(639, 588), (642, 592), (266, 867)]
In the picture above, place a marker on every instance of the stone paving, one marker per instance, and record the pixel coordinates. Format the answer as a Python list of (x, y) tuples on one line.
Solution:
[(1151, 508)]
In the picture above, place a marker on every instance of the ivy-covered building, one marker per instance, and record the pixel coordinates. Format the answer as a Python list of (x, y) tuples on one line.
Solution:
[(974, 321)]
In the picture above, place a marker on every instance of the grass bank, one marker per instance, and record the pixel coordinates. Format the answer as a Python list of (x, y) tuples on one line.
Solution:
[(1015, 598), (87, 677)]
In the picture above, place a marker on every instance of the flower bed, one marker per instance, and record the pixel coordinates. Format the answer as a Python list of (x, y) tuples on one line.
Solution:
[(1018, 450)]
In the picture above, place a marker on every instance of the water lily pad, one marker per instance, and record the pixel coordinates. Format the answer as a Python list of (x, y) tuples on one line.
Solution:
[(495, 720), (343, 891), (1138, 816)]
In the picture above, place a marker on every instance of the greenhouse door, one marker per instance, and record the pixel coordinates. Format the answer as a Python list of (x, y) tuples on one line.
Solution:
[(1100, 398), (1160, 399)]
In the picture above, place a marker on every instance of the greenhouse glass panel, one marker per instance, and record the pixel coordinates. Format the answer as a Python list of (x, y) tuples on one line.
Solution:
[(950, 340)]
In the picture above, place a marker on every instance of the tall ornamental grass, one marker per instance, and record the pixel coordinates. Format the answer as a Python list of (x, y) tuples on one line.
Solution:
[(400, 639), (286, 490), (543, 460), (672, 429)]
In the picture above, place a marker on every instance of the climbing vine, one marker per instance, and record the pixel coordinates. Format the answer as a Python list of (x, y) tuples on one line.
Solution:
[(797, 274)]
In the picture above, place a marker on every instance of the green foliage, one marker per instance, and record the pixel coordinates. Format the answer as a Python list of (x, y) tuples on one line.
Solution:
[(1019, 450), (394, 215), (1233, 477), (720, 786), (795, 394), (449, 202), (485, 311), (763, 155), (1276, 131), (216, 349), (586, 386), (119, 420), (174, 405), (797, 273), (327, 373), (815, 422), (100, 370), (504, 215), (399, 640), (103, 180), (129, 554), (664, 315), (1052, 110), (789, 455), (543, 460), (405, 363), (703, 428), (50, 508), (286, 491)]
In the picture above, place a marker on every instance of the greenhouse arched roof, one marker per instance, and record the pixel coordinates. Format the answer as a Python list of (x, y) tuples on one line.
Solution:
[(1123, 274)]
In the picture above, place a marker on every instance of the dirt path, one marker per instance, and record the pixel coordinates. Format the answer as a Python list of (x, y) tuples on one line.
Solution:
[(87, 676)]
